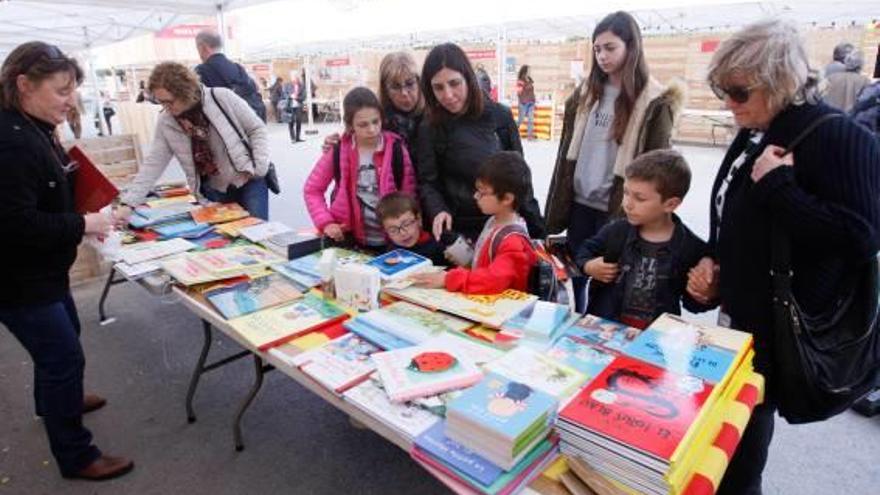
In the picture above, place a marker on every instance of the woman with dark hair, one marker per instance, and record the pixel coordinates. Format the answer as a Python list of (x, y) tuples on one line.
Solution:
[(37, 89), (219, 141), (822, 197), (615, 115), (525, 93), (463, 128)]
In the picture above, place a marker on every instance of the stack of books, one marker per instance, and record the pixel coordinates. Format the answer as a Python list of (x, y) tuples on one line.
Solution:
[(251, 295), (338, 365), (539, 371), (219, 213), (501, 419), (217, 264), (412, 323), (656, 403), (424, 370), (146, 217), (406, 418), (591, 344), (399, 263), (304, 270)]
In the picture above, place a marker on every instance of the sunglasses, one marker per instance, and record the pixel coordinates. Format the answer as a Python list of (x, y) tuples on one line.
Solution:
[(50, 52), (738, 94), (408, 85)]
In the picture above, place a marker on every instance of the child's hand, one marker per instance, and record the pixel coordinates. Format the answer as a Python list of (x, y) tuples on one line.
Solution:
[(431, 280), (443, 221), (601, 271), (703, 281), (334, 231), (330, 141)]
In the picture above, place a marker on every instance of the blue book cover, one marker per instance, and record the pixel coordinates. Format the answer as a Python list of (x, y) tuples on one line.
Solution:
[(182, 228), (605, 333), (398, 263), (500, 405), (682, 355), (375, 336), (455, 455), (307, 264), (579, 353)]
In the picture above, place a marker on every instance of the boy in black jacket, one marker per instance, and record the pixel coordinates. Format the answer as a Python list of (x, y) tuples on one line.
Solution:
[(639, 265), (401, 218)]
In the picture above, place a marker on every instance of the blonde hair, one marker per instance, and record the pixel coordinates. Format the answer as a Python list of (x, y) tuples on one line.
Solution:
[(177, 79), (398, 66), (769, 53)]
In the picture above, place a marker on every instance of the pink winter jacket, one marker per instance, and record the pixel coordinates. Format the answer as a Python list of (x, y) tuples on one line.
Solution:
[(344, 208)]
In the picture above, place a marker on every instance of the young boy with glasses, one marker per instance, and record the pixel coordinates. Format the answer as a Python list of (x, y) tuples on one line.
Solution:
[(401, 218)]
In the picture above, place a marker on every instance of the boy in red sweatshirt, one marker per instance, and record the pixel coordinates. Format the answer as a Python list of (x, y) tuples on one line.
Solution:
[(503, 254)]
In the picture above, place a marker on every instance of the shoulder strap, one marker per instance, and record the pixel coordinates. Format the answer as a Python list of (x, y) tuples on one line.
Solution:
[(397, 164), (241, 137), (809, 130), (337, 169), (502, 233)]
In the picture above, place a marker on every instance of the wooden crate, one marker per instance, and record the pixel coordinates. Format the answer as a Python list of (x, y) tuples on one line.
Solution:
[(119, 158)]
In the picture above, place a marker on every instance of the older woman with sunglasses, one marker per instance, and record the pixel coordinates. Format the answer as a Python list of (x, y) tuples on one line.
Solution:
[(42, 231), (221, 144), (823, 197)]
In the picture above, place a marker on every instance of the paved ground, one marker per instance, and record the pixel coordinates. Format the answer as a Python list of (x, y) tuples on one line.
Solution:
[(295, 442)]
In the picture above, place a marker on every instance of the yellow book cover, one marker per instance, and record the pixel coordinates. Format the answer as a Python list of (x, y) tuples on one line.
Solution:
[(273, 326), (219, 213), (231, 229), (161, 202), (490, 310)]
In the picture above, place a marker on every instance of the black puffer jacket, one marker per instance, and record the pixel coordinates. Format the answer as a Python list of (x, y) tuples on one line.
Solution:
[(449, 156), (41, 231)]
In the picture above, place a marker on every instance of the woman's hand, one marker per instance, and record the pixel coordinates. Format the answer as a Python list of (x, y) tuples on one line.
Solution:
[(431, 280), (443, 221), (771, 158), (334, 231), (98, 224), (601, 271), (330, 141), (703, 281), (121, 215)]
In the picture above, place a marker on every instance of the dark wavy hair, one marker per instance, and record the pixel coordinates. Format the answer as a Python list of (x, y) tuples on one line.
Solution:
[(634, 74), (37, 61), (450, 56)]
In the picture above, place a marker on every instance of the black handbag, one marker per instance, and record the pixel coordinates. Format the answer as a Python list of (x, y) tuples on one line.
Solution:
[(822, 363)]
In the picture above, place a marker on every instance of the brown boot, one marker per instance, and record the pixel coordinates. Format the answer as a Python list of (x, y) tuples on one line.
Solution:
[(93, 402), (104, 468)]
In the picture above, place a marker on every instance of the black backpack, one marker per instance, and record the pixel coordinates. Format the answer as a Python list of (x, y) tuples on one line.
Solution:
[(396, 166), (547, 278)]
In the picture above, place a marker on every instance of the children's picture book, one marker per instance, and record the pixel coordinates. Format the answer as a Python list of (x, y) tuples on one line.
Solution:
[(477, 352), (144, 217), (424, 370), (339, 364), (539, 371), (162, 202), (406, 418), (231, 261), (539, 322), (231, 229), (219, 213), (435, 442), (306, 342), (171, 189), (605, 333), (490, 310), (263, 231), (413, 323), (253, 295), (581, 354), (640, 405), (399, 263), (146, 251), (273, 326), (309, 264), (378, 337), (138, 270), (357, 286), (186, 229), (708, 352), (210, 240)]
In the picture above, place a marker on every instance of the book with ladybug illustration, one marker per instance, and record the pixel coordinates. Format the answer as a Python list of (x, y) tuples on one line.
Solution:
[(424, 370)]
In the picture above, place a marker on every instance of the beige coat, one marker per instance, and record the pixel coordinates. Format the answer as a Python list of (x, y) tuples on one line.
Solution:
[(233, 160)]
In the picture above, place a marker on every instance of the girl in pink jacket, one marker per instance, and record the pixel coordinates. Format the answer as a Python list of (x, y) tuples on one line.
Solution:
[(367, 164)]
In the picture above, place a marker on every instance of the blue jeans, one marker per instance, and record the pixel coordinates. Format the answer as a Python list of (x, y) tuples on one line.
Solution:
[(253, 196), (584, 223), (50, 334), (526, 110)]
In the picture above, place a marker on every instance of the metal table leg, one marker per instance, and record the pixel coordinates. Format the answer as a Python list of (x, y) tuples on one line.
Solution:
[(260, 369), (102, 314), (201, 368)]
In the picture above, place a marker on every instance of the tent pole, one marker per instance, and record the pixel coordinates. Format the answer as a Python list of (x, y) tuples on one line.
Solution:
[(310, 128), (96, 93), (501, 56), (221, 23)]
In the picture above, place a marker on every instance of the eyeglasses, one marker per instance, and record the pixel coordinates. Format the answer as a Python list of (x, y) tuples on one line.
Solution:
[(409, 85), (478, 195), (164, 103), (400, 229), (738, 94)]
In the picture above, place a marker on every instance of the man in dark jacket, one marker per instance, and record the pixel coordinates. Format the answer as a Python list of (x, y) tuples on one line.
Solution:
[(218, 71)]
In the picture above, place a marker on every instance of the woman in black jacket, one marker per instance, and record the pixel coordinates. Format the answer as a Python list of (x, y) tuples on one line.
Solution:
[(37, 89), (463, 128), (823, 197)]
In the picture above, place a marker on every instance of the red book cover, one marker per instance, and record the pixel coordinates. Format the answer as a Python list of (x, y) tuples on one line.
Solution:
[(640, 405), (91, 189)]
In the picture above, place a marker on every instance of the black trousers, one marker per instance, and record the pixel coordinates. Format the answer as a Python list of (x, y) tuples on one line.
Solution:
[(585, 223), (295, 124), (50, 334)]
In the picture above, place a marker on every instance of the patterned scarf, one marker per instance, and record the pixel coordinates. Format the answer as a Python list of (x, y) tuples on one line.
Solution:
[(195, 125)]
